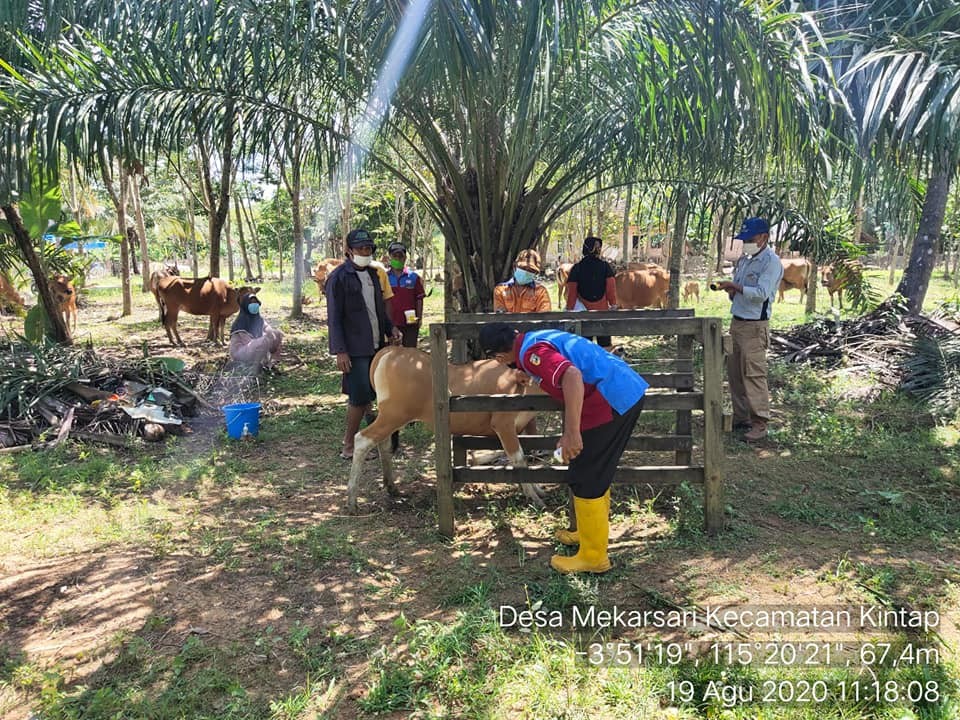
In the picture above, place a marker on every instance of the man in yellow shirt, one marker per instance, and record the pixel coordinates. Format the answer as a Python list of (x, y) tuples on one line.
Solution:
[(522, 293)]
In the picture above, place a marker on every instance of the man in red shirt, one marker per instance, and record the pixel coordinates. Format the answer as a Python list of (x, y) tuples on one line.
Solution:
[(602, 398), (408, 295)]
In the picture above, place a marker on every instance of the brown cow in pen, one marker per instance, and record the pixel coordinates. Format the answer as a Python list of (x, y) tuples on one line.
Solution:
[(403, 379), (198, 296)]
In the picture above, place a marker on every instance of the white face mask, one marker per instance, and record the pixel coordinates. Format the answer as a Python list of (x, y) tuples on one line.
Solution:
[(751, 249), (362, 260)]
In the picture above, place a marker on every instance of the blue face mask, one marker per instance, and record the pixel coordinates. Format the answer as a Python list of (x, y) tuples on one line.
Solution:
[(523, 277), (253, 308)]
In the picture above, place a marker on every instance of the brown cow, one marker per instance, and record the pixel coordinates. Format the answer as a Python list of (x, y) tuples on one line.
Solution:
[(322, 272), (836, 277), (198, 296), (66, 296), (403, 380), (796, 272), (9, 298), (643, 288), (563, 272), (691, 289)]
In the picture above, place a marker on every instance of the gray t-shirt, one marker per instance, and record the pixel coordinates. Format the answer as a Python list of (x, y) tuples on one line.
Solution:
[(369, 299)]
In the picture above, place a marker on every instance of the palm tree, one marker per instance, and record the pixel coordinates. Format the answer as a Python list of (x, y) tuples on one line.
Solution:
[(517, 108), (518, 111), (911, 76)]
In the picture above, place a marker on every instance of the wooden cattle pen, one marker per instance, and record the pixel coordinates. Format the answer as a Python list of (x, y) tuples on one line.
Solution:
[(676, 391)]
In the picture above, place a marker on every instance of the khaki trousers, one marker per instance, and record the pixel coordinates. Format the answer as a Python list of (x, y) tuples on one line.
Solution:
[(747, 370)]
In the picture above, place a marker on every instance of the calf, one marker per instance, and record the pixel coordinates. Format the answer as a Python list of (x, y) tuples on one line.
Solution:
[(643, 288), (563, 273), (403, 379), (200, 296), (691, 289), (66, 296), (838, 276), (9, 298), (322, 272), (796, 272), (157, 273)]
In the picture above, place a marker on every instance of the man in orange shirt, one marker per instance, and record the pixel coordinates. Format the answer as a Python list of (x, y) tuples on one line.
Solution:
[(522, 293)]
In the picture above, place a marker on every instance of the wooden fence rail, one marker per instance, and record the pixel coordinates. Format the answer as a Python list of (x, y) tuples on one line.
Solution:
[(673, 391)]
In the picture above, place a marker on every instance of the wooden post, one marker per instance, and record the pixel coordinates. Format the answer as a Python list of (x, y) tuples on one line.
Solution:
[(459, 355), (712, 423), (441, 424), (684, 352)]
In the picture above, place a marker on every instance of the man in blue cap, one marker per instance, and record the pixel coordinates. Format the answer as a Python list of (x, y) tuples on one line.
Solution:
[(755, 280)]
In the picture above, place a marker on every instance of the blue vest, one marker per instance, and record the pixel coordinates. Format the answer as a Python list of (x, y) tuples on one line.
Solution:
[(617, 382), (407, 279)]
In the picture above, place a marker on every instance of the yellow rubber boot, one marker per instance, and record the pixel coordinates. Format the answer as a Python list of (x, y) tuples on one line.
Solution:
[(593, 520), (572, 537)]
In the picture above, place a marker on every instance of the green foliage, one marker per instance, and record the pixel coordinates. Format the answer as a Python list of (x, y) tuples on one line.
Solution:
[(934, 374)]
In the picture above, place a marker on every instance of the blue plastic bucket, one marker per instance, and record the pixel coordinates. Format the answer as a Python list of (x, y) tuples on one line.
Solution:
[(239, 415)]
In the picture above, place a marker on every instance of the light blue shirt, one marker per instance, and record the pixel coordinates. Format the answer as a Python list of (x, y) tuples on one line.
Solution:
[(760, 277)]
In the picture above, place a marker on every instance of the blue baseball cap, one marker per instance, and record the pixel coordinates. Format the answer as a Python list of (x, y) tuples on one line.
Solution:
[(752, 226)]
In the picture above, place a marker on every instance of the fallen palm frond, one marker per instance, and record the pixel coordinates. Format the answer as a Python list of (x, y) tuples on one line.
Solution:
[(918, 353), (42, 384)]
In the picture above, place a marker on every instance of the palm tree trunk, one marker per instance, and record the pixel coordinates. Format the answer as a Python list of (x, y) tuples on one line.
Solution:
[(292, 181), (229, 242), (254, 235), (119, 197), (192, 227), (923, 257), (891, 257), (676, 249), (810, 307), (243, 243), (141, 226), (626, 223), (25, 245)]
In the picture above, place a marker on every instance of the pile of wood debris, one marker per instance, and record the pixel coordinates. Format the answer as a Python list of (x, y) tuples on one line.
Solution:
[(50, 392), (916, 352)]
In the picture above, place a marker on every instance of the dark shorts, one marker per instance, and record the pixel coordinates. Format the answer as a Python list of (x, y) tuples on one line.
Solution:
[(410, 333), (594, 468), (356, 383)]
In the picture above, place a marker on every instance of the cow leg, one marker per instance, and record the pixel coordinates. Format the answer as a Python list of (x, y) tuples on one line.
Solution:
[(511, 445), (361, 446), (386, 464), (363, 442), (170, 324)]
